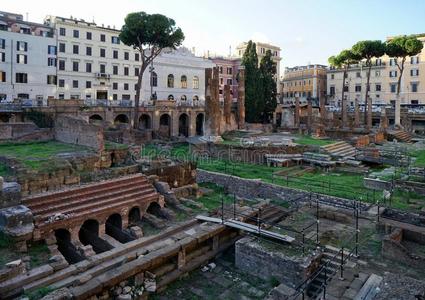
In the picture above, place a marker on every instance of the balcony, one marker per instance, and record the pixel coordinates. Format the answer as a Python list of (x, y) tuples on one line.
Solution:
[(103, 76)]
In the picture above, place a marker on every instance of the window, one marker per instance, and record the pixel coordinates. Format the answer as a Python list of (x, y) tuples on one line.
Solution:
[(115, 40), (229, 81), (2, 56), (332, 76), (2, 43), (183, 81), (2, 76), (183, 98), (170, 81), (115, 70), (195, 82), (62, 31), (170, 97), (115, 96), (88, 51), (358, 75), (377, 73), (21, 78), (61, 65), (75, 84), (51, 62), (102, 52), (51, 79), (62, 47), (221, 80), (414, 72), (392, 61), (220, 70), (377, 87), (358, 88), (126, 86), (88, 35), (21, 46), (88, 67), (154, 79), (102, 38), (102, 68), (393, 73), (23, 96), (414, 60), (126, 71), (115, 86), (393, 87), (126, 56), (75, 49), (88, 84), (378, 61), (51, 50), (75, 96), (332, 90), (135, 87), (61, 96), (21, 59), (229, 70), (115, 54), (136, 56), (414, 87), (61, 83), (76, 33), (75, 66), (415, 102), (346, 89), (136, 71)]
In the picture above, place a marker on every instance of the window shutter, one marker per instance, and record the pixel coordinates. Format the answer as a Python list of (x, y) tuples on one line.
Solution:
[(25, 59)]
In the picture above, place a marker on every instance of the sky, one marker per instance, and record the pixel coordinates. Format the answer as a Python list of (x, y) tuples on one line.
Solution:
[(307, 31)]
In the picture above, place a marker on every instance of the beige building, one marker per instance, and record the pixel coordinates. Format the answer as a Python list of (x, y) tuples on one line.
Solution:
[(383, 82), (305, 82), (261, 52)]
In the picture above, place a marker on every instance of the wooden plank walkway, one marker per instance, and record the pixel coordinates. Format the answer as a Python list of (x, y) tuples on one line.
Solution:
[(248, 228)]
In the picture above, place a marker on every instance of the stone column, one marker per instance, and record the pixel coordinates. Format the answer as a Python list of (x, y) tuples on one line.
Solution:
[(384, 120), (397, 112), (241, 98), (212, 104), (227, 104), (356, 113), (309, 116), (297, 113), (344, 113), (322, 105), (369, 113)]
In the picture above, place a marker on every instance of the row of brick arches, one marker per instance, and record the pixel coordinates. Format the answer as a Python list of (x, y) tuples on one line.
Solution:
[(165, 123)]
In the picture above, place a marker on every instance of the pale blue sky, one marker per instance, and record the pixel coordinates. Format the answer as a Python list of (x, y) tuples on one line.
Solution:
[(308, 31)]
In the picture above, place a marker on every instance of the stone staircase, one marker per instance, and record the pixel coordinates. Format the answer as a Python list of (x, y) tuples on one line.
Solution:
[(53, 210), (340, 150), (331, 259), (401, 136)]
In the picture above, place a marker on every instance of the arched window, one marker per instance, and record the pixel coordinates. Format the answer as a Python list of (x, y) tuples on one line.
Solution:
[(184, 82), (195, 98), (183, 98), (170, 81), (195, 82), (170, 97), (154, 79)]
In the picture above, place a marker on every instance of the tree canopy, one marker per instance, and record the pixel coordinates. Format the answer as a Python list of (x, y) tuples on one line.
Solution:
[(368, 49), (268, 76)]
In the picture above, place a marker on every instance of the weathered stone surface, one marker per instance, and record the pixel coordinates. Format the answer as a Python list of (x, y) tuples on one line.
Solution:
[(16, 222), (59, 294), (10, 194), (399, 287)]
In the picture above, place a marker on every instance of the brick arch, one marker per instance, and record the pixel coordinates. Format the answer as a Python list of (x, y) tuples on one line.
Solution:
[(95, 118), (121, 118), (134, 214)]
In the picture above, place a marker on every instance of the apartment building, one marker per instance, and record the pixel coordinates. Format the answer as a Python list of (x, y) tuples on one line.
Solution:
[(304, 82), (261, 52), (383, 82), (27, 59), (228, 71), (94, 64)]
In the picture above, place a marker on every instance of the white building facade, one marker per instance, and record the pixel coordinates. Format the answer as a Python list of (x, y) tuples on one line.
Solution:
[(27, 59)]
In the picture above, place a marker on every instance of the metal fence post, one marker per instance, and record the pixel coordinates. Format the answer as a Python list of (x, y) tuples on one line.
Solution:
[(317, 222), (357, 232), (378, 212), (303, 241), (259, 220), (342, 264), (234, 206), (222, 209)]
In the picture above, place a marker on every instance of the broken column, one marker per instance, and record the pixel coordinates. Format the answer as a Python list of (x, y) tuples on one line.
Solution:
[(356, 114), (322, 105), (309, 116), (384, 119), (297, 113), (16, 222), (344, 113), (227, 104), (241, 98), (212, 104), (369, 113)]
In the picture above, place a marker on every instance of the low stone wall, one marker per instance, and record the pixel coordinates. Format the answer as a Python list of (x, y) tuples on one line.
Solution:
[(255, 188), (24, 131), (251, 154), (376, 184), (178, 175), (254, 257), (77, 131)]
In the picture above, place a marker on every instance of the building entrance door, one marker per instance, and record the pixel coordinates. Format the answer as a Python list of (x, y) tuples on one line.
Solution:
[(101, 95)]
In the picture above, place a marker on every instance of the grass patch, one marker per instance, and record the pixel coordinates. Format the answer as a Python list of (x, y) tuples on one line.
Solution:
[(420, 158), (309, 140), (39, 293), (113, 146), (4, 170), (213, 200)]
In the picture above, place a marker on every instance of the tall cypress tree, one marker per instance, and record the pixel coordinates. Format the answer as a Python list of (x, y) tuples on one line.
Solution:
[(268, 79), (252, 84)]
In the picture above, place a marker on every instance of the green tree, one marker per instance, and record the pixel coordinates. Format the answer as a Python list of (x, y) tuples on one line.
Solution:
[(367, 50), (253, 85), (343, 60), (148, 34), (400, 48), (268, 77)]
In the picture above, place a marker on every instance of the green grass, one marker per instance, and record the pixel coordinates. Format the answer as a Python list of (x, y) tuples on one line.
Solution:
[(112, 146), (34, 154), (420, 158), (39, 293), (308, 140), (4, 170), (213, 200)]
